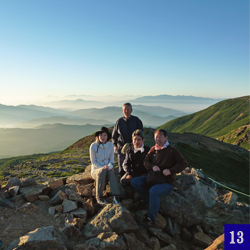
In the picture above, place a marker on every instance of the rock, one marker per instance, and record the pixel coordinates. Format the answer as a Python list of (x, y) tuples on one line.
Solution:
[(78, 223), (141, 234), (160, 221), (6, 203), (112, 217), (13, 191), (153, 243), (201, 240), (84, 190), (28, 208), (30, 193), (40, 239), (179, 209), (13, 182), (28, 182), (80, 213), (186, 235), (83, 178), (160, 235), (52, 210), (59, 208), (69, 205), (74, 196), (128, 203), (133, 243), (69, 220), (171, 226), (71, 186), (191, 188), (43, 197), (229, 198), (114, 242), (58, 198), (54, 184), (217, 244), (169, 247), (89, 206), (71, 232)]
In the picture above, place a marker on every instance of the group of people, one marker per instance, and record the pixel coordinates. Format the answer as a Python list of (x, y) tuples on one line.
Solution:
[(150, 172)]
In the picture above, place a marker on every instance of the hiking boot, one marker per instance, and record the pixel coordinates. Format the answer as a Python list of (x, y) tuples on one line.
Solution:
[(147, 222), (101, 201)]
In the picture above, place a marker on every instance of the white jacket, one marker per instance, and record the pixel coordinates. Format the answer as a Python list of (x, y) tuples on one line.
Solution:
[(101, 155)]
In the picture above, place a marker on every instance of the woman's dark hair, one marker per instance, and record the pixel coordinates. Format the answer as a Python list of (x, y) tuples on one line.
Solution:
[(139, 133)]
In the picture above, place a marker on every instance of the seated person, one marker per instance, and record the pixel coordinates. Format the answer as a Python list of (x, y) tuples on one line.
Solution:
[(102, 165), (135, 155)]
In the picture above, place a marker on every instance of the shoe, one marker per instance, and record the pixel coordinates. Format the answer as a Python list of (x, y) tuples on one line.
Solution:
[(101, 201), (115, 200), (148, 222)]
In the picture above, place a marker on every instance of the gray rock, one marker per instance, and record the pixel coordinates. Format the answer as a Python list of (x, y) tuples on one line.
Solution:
[(52, 210), (58, 198), (201, 240), (83, 178), (74, 196), (28, 182), (69, 205), (80, 213), (40, 239), (71, 232), (160, 235), (114, 242), (194, 190), (153, 243), (229, 198), (13, 191), (28, 208), (30, 193), (133, 243), (169, 247), (171, 226), (112, 217), (179, 209), (43, 197), (13, 182), (54, 184), (85, 190)]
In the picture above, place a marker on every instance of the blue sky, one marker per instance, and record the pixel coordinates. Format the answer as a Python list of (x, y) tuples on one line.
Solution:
[(111, 47)]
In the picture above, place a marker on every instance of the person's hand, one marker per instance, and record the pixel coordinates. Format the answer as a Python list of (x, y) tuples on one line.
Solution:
[(166, 172), (156, 168), (116, 148), (105, 167), (129, 177)]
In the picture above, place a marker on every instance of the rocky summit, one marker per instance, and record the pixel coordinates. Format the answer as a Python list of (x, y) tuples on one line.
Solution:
[(63, 214)]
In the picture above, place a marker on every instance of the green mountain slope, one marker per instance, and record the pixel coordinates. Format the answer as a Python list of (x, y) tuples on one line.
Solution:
[(217, 120)]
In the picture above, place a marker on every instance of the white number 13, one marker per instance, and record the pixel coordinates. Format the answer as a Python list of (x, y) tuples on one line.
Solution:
[(240, 237)]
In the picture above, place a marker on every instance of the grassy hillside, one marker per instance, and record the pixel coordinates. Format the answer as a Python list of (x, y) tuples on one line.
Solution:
[(217, 120), (218, 160)]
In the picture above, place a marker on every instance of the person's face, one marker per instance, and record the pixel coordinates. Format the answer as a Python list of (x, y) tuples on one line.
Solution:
[(160, 139), (103, 137), (126, 111), (137, 141)]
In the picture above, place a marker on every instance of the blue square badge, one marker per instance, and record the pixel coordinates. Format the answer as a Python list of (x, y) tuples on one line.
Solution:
[(236, 236)]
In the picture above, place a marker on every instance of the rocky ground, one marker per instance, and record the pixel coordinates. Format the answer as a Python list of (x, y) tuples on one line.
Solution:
[(191, 217)]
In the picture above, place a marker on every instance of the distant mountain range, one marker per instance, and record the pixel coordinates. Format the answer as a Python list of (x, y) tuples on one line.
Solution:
[(216, 121), (28, 116), (46, 138)]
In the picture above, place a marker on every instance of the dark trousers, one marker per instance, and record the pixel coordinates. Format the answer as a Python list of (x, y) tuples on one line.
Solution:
[(121, 158)]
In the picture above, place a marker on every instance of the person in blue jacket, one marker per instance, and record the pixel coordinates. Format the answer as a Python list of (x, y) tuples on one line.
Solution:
[(122, 132)]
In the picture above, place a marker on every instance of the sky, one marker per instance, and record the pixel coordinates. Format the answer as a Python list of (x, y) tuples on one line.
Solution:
[(89, 47)]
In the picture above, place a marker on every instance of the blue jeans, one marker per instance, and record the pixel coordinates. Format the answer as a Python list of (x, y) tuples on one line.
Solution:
[(153, 195)]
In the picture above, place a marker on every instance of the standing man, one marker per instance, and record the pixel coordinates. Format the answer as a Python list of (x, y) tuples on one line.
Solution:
[(165, 161), (122, 132)]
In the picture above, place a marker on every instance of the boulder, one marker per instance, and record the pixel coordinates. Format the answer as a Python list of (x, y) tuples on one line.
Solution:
[(58, 198), (179, 209), (201, 240), (160, 235), (217, 244), (54, 184), (83, 178), (112, 217), (30, 193), (28, 182), (80, 213), (40, 239), (114, 242), (153, 243), (194, 190), (28, 208), (229, 198), (69, 205), (71, 232), (169, 247), (74, 196), (13, 182), (133, 243), (85, 190), (13, 191), (43, 197)]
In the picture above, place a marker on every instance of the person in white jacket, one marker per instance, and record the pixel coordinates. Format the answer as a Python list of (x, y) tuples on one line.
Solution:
[(102, 165)]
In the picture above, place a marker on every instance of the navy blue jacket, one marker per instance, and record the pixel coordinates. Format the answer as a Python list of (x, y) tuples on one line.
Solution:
[(123, 129)]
